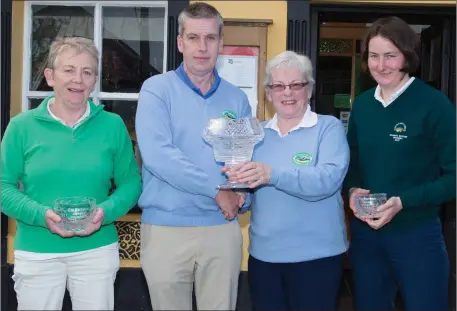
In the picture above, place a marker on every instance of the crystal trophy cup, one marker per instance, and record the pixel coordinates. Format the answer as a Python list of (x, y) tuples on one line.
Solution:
[(76, 213), (367, 204), (233, 142)]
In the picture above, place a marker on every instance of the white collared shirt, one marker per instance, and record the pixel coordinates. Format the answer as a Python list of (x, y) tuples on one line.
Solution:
[(309, 120), (84, 116), (394, 96)]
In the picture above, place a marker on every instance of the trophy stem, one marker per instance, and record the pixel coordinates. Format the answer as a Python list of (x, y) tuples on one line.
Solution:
[(232, 184)]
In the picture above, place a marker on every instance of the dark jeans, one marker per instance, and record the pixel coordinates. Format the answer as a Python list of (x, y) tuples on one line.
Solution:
[(414, 261), (308, 285)]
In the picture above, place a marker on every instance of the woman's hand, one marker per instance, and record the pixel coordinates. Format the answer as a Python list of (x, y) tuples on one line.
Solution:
[(252, 173), (385, 213), (96, 223), (352, 194), (52, 219)]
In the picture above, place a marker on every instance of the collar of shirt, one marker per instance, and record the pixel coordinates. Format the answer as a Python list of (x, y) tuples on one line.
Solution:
[(185, 78), (309, 120), (84, 116), (377, 93)]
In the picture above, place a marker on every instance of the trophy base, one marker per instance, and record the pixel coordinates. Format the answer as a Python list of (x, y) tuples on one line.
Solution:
[(75, 227), (232, 185)]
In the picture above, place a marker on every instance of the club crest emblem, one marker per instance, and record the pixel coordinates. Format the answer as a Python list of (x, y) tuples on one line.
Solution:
[(229, 115), (399, 132), (302, 158), (400, 127)]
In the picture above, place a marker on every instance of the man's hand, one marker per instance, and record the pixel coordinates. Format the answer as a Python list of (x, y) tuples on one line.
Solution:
[(385, 213), (352, 194), (230, 202), (96, 223), (242, 196), (52, 219)]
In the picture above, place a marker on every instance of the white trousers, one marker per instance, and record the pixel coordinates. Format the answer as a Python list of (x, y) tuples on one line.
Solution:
[(177, 259), (89, 276)]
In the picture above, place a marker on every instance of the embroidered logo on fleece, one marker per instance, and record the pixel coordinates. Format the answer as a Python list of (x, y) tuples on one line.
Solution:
[(400, 127), (229, 115), (399, 131), (302, 158)]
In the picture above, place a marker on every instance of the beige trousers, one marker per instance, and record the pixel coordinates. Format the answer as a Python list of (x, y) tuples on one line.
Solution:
[(174, 259)]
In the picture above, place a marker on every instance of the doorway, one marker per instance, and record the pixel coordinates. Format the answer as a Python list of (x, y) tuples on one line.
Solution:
[(337, 58)]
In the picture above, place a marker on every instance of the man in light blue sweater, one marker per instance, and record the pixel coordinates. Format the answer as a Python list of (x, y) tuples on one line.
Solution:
[(189, 232)]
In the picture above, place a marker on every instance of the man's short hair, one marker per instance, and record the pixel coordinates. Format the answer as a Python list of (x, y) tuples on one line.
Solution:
[(199, 10)]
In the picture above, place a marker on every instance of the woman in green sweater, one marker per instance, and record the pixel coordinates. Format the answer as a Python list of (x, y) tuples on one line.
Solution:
[(402, 140), (66, 147)]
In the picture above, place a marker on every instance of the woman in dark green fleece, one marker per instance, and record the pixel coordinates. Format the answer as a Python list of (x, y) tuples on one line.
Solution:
[(402, 140), (68, 146)]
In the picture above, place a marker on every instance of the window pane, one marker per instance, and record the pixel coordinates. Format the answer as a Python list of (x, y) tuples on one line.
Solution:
[(133, 43), (127, 110), (35, 102), (49, 22), (335, 73)]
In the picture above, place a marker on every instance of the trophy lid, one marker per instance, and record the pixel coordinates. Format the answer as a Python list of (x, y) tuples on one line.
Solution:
[(246, 127)]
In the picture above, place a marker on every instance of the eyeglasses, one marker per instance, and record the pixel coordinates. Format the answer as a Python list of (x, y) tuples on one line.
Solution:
[(279, 87)]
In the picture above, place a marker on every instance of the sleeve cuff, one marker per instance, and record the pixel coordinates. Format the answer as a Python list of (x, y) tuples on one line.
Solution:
[(107, 208), (274, 176), (43, 210), (405, 200), (212, 191)]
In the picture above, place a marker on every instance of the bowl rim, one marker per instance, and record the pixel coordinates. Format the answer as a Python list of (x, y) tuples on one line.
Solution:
[(371, 195), (82, 199)]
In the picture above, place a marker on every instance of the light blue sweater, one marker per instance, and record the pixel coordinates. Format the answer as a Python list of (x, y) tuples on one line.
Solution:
[(299, 216), (179, 172)]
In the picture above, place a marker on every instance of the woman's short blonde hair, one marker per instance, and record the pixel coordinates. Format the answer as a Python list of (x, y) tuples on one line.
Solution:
[(78, 44), (289, 59)]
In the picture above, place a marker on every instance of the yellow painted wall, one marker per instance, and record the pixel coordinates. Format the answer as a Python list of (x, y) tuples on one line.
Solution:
[(274, 10), (17, 42), (276, 43), (17, 38)]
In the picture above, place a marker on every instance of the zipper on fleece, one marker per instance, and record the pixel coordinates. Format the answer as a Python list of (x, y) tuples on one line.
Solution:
[(73, 130)]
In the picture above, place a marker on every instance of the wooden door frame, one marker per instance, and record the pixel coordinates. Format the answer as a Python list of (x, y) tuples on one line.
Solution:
[(251, 32)]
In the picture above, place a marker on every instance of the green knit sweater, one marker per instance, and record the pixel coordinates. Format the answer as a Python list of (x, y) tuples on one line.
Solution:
[(406, 149), (52, 160)]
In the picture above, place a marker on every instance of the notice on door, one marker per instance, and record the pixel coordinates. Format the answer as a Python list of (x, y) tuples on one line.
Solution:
[(344, 117), (239, 66)]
